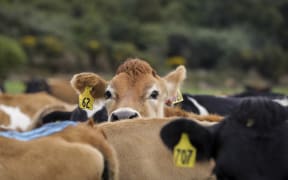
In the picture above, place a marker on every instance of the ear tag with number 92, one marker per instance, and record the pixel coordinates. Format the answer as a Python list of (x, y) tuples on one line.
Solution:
[(184, 152), (86, 100)]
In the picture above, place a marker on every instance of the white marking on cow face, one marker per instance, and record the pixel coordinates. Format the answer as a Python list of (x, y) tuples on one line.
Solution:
[(202, 110), (156, 99), (98, 105), (18, 120), (109, 94)]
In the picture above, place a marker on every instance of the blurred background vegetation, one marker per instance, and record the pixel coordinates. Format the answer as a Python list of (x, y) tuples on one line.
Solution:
[(223, 43)]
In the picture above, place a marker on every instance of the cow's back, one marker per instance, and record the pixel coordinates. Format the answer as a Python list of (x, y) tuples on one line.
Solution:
[(77, 152), (30, 103), (61, 89), (142, 155), (53, 160)]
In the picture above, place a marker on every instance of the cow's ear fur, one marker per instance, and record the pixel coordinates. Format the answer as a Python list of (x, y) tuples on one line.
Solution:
[(87, 79), (199, 136), (174, 80)]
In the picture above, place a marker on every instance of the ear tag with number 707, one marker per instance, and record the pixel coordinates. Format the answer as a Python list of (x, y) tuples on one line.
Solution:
[(184, 152), (86, 100)]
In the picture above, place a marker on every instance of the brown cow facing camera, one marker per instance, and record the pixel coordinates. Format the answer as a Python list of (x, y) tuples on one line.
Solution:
[(136, 91)]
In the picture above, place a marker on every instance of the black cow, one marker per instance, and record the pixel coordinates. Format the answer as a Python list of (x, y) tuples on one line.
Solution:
[(250, 144), (77, 114), (36, 85), (99, 116), (208, 104), (223, 105), (262, 92)]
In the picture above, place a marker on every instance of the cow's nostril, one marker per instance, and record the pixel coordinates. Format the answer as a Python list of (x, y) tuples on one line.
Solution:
[(133, 116)]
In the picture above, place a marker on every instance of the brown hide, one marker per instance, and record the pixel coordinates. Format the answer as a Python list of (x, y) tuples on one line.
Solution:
[(142, 155), (77, 152), (33, 105), (61, 89), (177, 112), (4, 118), (30, 103)]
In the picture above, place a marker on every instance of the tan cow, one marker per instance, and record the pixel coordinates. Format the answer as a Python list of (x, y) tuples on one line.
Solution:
[(23, 112), (136, 91), (61, 89), (77, 152), (141, 153), (57, 87)]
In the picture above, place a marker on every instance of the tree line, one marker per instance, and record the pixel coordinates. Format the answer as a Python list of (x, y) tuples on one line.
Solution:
[(100, 34)]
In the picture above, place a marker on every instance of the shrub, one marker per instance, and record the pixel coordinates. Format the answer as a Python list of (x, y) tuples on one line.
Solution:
[(51, 46), (29, 41), (175, 61), (93, 46), (119, 51), (11, 55), (270, 61)]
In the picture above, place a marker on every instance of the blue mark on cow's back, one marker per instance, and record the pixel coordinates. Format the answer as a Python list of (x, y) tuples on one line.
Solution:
[(45, 130)]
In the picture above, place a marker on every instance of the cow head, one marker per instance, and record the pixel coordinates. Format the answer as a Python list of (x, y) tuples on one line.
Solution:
[(249, 144), (37, 85), (135, 91)]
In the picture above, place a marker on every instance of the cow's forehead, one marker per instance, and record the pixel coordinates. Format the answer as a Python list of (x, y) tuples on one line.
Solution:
[(123, 82)]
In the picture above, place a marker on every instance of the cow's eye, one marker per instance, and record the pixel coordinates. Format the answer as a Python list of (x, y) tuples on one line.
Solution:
[(154, 94), (107, 94)]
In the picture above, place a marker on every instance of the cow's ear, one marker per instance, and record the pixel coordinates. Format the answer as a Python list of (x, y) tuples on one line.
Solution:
[(82, 80), (199, 136), (174, 80), (90, 122)]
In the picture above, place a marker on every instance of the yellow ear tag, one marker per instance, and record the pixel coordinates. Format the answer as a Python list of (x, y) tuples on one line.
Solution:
[(184, 152), (178, 98), (86, 101)]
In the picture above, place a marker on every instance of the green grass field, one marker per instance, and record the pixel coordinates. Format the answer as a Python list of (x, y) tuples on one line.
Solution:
[(14, 87)]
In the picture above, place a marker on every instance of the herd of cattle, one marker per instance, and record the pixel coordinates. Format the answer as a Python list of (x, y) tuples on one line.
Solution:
[(133, 126)]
